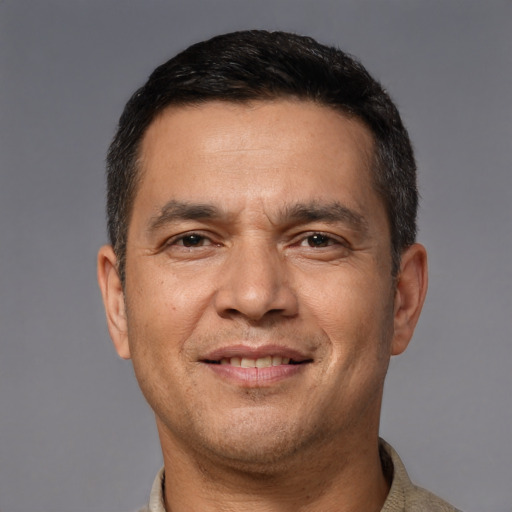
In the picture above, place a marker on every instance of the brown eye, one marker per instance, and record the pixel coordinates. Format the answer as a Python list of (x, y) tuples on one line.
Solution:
[(319, 240), (193, 240)]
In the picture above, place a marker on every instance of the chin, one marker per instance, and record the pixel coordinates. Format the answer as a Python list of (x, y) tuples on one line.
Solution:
[(259, 459), (260, 447)]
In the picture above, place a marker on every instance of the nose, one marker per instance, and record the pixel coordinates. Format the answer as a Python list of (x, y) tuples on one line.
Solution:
[(255, 284)]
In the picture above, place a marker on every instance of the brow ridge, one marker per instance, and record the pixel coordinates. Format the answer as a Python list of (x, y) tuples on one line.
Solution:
[(175, 210), (332, 212)]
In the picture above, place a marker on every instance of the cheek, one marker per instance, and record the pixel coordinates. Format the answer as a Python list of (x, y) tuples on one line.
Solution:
[(356, 314), (162, 315), (164, 307), (357, 301)]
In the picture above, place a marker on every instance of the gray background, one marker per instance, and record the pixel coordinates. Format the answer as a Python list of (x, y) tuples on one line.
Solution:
[(75, 433)]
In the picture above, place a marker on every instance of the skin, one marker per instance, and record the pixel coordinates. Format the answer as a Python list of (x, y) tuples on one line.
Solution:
[(256, 229)]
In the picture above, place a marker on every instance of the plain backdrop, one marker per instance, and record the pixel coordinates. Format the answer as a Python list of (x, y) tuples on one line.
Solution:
[(75, 433)]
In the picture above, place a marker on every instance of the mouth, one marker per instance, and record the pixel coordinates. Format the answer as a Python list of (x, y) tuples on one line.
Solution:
[(260, 362), (258, 367)]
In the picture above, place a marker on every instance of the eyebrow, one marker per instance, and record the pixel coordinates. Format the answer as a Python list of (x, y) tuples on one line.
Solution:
[(313, 211), (331, 212), (179, 210)]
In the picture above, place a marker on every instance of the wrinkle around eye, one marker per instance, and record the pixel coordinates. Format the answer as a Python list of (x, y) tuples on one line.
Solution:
[(327, 247), (191, 244), (320, 240)]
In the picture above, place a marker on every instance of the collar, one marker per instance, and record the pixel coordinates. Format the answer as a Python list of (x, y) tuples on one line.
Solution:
[(393, 467)]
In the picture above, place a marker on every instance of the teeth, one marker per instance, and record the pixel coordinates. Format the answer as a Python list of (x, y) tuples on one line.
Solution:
[(262, 362), (248, 363)]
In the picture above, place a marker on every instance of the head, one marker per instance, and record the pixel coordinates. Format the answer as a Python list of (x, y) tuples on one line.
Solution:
[(257, 65), (262, 206)]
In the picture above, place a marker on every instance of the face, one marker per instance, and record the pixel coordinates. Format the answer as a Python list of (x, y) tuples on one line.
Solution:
[(259, 307)]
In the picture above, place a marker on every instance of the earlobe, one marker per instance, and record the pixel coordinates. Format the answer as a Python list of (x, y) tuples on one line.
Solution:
[(113, 299), (411, 290)]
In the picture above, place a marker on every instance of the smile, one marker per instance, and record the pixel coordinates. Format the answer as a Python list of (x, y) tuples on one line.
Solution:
[(260, 362), (255, 367)]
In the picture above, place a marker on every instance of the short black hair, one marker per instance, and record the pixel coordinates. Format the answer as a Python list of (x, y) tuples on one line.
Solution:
[(262, 65)]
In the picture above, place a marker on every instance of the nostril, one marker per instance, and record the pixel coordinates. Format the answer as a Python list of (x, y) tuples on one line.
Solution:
[(254, 296)]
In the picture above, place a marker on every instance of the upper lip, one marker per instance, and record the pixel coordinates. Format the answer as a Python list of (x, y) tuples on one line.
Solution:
[(252, 352)]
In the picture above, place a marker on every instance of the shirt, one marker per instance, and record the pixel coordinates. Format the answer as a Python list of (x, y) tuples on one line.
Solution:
[(403, 495)]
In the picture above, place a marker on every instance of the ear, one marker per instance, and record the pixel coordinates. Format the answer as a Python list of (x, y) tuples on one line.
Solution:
[(411, 289), (113, 300)]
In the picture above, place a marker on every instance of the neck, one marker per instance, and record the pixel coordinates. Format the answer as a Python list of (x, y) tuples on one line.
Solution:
[(344, 478)]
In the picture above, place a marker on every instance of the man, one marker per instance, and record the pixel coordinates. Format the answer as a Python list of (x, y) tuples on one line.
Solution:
[(262, 271)]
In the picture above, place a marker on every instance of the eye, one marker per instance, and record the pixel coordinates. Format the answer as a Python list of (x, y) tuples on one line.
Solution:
[(192, 240), (191, 245), (189, 240), (318, 240)]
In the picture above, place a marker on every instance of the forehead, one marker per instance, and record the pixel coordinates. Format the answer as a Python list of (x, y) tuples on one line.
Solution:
[(258, 117), (274, 151)]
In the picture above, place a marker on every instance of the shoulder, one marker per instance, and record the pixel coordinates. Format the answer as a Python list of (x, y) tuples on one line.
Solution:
[(403, 495), (421, 500)]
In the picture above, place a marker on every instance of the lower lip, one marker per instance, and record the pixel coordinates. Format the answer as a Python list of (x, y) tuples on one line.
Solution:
[(256, 377)]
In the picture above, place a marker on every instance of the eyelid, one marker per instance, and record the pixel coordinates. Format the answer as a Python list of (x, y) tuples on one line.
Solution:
[(337, 239), (202, 241), (295, 240), (171, 241)]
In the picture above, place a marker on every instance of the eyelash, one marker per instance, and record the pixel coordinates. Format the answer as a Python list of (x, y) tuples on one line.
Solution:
[(175, 241), (326, 240)]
